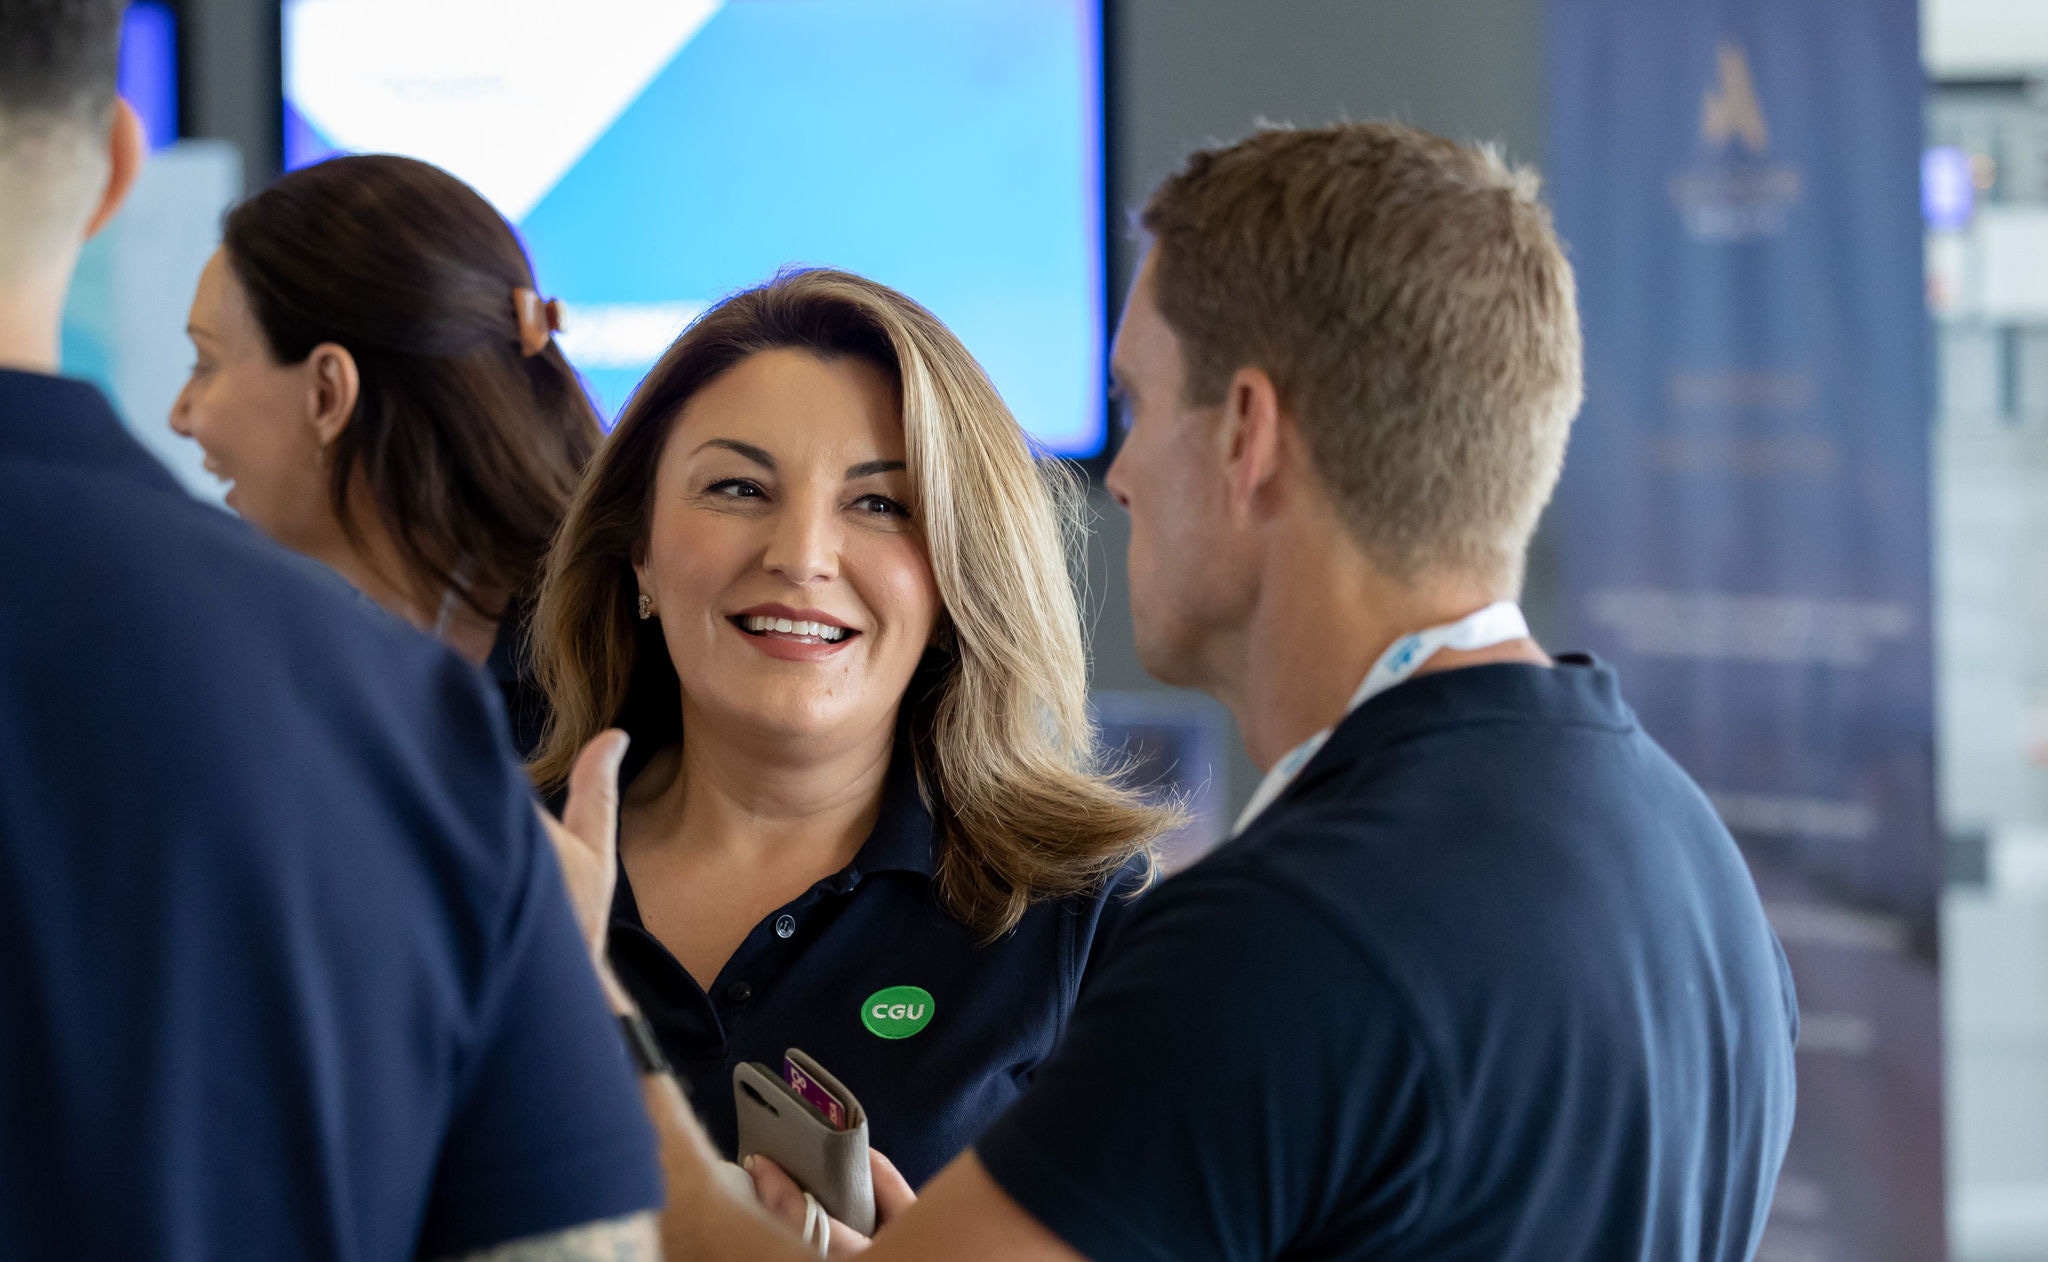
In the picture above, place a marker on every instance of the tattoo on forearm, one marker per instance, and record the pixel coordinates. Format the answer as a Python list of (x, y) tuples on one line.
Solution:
[(630, 1239)]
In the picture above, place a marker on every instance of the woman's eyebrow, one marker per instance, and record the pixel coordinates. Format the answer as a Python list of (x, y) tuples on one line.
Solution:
[(748, 450), (869, 468)]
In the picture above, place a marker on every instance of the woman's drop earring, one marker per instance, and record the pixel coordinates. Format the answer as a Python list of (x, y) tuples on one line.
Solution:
[(646, 606)]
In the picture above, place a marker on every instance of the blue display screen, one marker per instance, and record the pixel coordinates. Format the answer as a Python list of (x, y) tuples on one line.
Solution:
[(148, 75), (658, 154)]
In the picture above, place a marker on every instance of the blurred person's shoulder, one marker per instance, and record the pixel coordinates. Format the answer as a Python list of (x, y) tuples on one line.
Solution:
[(260, 826), (87, 507), (167, 636)]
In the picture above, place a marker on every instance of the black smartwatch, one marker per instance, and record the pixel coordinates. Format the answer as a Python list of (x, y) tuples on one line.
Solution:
[(641, 1044)]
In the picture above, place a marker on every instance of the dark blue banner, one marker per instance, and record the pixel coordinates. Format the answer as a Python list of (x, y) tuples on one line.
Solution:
[(1743, 526)]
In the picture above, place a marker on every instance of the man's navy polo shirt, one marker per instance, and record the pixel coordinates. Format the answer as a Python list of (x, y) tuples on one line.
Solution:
[(1489, 981), (809, 972), (288, 967)]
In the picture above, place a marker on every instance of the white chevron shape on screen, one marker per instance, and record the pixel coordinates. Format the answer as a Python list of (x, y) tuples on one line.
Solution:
[(506, 94)]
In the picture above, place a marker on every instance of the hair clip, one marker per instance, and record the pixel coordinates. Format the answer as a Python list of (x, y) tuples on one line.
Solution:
[(538, 320)]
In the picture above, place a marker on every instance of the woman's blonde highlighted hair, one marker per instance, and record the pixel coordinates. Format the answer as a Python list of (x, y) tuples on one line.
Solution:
[(996, 716)]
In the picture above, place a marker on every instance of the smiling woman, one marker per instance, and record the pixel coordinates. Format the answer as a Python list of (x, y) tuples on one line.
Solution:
[(818, 577)]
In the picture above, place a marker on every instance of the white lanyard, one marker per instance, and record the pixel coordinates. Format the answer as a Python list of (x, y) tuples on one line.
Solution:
[(1496, 624)]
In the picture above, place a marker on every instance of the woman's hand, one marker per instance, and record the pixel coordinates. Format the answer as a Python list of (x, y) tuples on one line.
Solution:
[(784, 1200), (586, 837)]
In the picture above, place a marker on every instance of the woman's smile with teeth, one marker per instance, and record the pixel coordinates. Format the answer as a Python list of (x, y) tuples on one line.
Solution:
[(757, 624)]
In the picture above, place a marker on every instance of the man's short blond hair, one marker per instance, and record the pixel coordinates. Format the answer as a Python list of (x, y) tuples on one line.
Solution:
[(1413, 307)]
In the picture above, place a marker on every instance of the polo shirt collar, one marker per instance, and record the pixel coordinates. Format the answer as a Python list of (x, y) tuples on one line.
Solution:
[(904, 838), (1578, 690), (64, 420)]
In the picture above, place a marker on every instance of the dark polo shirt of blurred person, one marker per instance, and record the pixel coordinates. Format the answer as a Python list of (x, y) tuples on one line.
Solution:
[(288, 966)]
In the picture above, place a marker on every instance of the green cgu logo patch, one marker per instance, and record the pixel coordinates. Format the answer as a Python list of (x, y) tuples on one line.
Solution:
[(897, 1012)]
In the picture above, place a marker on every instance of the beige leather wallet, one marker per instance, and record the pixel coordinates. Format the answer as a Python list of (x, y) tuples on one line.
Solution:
[(831, 1163)]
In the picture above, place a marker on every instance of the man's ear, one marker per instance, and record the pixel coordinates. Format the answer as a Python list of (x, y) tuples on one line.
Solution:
[(1251, 437), (127, 147), (335, 388)]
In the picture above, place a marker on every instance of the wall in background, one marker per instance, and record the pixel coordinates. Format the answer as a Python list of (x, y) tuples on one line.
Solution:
[(231, 80), (1187, 73), (1981, 39)]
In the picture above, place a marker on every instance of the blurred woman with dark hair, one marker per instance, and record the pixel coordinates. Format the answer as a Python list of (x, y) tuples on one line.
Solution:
[(376, 379)]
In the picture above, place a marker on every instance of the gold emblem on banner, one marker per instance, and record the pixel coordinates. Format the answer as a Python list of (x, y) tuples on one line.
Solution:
[(1733, 191), (1730, 107)]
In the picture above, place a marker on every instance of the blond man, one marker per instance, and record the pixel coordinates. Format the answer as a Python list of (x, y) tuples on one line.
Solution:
[(1481, 976)]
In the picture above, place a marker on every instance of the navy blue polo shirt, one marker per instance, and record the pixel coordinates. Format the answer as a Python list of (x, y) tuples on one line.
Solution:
[(810, 974), (1489, 981), (289, 970)]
